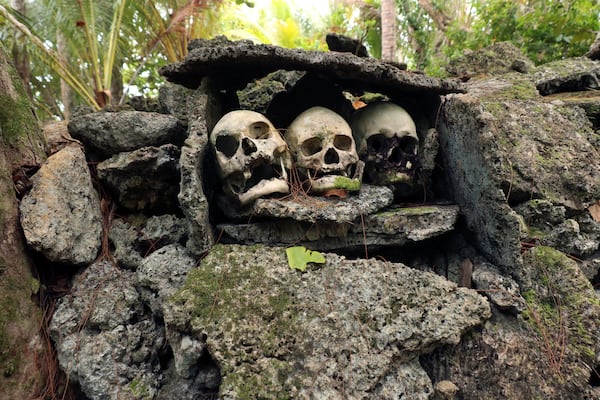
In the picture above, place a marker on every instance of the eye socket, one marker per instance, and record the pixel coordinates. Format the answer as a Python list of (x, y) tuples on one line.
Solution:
[(259, 130), (376, 142), (311, 146), (408, 145), (342, 142), (227, 145)]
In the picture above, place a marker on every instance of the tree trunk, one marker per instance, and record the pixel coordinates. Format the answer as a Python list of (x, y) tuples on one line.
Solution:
[(389, 26), (20, 342), (19, 51)]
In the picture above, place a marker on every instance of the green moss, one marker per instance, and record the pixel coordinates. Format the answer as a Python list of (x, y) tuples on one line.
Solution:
[(341, 182), (139, 389), (226, 294)]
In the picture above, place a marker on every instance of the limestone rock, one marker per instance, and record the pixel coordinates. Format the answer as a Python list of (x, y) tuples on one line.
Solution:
[(237, 63), (497, 59), (103, 339), (161, 274), (61, 215), (396, 226), (528, 356), (260, 93), (350, 328), (204, 112), (313, 208), (502, 291), (172, 99), (140, 236), (109, 133), (144, 179), (568, 75)]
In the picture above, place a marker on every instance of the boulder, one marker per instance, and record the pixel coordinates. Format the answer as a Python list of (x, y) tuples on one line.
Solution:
[(104, 341), (108, 133), (61, 214), (145, 179), (348, 328), (499, 58)]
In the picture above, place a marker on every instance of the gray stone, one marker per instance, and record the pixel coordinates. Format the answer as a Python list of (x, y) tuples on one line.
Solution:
[(346, 329), (125, 238), (161, 274), (258, 94), (568, 75), (302, 207), (172, 99), (61, 214), (568, 238), (497, 59), (109, 133), (397, 226), (594, 52), (103, 340), (144, 179), (528, 356), (139, 236), (502, 291), (444, 390), (237, 63), (204, 112)]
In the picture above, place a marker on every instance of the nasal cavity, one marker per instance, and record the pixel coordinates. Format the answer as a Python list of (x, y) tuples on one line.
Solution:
[(331, 157), (248, 146)]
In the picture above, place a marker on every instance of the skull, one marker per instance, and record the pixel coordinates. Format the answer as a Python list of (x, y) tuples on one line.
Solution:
[(325, 153), (387, 141), (252, 157)]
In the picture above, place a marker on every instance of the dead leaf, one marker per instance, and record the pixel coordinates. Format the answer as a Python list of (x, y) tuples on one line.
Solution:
[(339, 193), (357, 104), (594, 210)]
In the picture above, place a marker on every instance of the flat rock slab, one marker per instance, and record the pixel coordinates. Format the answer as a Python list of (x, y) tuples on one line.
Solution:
[(391, 227), (243, 61), (347, 329), (302, 207)]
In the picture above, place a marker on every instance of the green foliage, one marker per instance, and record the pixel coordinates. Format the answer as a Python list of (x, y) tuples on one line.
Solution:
[(546, 30), (299, 257)]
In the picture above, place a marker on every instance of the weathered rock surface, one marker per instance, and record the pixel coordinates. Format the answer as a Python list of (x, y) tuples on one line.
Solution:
[(594, 52), (499, 58), (61, 215), (554, 338), (350, 328), (236, 63), (568, 75), (312, 208), (502, 291), (161, 274), (145, 179), (108, 133), (140, 236), (103, 339), (396, 226), (204, 111)]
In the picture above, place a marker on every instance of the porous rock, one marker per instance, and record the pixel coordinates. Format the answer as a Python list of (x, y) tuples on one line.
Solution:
[(103, 339), (349, 328), (529, 356), (396, 226), (235, 63), (139, 236), (204, 110), (108, 133), (61, 214), (568, 75), (497, 59), (161, 274), (502, 291), (144, 179)]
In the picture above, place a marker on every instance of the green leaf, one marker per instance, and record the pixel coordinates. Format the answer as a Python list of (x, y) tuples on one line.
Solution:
[(299, 256)]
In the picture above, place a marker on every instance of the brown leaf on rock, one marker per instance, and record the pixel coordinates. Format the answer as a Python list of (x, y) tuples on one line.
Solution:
[(339, 193), (594, 210)]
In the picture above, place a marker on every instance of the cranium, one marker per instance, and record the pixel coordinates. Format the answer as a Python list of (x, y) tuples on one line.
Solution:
[(387, 142), (324, 151), (251, 155)]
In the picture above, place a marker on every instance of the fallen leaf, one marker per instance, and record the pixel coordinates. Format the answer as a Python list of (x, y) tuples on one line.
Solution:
[(594, 210), (339, 193), (299, 256), (357, 104)]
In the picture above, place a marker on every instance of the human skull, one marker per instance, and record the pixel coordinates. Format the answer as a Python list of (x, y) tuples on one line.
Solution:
[(324, 151), (387, 141), (252, 157)]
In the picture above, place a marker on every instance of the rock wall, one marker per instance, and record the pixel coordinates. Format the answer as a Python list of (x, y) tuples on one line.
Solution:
[(181, 293)]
